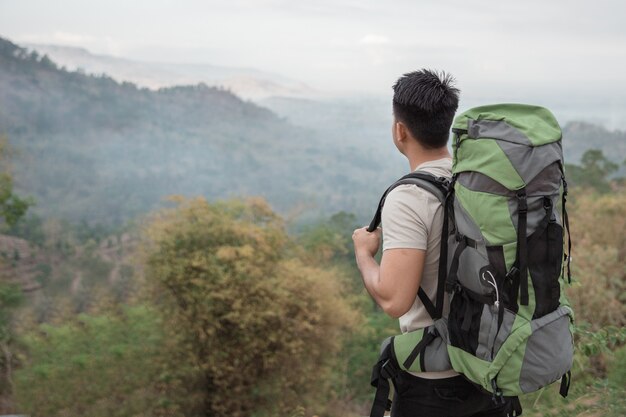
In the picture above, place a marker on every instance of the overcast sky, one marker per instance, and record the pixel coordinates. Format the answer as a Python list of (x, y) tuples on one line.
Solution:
[(568, 52)]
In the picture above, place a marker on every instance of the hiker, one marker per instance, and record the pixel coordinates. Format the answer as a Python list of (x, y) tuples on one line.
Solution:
[(424, 104)]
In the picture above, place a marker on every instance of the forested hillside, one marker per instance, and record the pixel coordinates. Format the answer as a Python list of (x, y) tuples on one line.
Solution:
[(369, 120), (581, 136), (90, 148)]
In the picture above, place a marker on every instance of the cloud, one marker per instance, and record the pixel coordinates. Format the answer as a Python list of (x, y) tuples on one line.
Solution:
[(102, 44), (72, 38), (65, 38), (372, 39)]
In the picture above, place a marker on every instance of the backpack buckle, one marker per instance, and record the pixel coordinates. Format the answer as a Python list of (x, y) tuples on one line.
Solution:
[(498, 398), (522, 206), (388, 369), (512, 272), (453, 287)]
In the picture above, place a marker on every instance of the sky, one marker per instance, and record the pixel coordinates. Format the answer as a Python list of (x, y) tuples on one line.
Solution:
[(564, 53)]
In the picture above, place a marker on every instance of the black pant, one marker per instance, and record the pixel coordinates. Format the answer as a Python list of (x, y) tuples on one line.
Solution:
[(448, 397)]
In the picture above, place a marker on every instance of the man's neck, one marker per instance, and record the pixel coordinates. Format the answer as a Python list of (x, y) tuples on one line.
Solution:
[(419, 156)]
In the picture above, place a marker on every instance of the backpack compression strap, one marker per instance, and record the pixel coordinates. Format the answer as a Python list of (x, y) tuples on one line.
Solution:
[(439, 187)]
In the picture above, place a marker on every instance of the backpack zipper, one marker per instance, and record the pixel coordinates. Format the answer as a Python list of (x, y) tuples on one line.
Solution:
[(458, 133)]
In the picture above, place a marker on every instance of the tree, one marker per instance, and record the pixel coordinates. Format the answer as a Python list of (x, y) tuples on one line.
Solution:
[(12, 208), (598, 254), (594, 171), (99, 366), (257, 330), (330, 239)]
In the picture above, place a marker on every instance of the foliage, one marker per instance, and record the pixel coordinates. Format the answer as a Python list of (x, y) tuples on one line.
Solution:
[(29, 227), (594, 171), (10, 297), (605, 340), (330, 240), (12, 207), (100, 366), (579, 136), (97, 150), (361, 353), (598, 293), (258, 330)]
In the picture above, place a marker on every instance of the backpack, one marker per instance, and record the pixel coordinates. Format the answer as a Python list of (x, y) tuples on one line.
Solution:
[(509, 329)]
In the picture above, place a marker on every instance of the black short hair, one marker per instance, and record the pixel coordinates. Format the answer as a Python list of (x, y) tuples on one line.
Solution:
[(425, 101)]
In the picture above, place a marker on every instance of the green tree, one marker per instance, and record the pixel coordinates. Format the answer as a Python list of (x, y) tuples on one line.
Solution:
[(594, 171), (99, 366), (10, 298), (12, 208), (330, 239), (257, 330)]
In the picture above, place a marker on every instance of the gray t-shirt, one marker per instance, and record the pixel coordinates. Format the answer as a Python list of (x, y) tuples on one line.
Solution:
[(412, 219)]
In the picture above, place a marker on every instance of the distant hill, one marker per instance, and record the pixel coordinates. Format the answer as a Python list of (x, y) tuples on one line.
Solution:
[(245, 82), (370, 118), (93, 149), (580, 136)]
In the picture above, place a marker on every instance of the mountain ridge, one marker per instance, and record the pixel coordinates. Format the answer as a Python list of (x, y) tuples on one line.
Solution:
[(94, 149), (248, 83)]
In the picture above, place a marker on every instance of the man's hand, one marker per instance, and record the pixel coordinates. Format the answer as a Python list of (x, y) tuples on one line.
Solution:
[(365, 241)]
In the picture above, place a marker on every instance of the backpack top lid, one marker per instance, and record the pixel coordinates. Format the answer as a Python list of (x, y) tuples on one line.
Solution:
[(519, 123), (510, 143)]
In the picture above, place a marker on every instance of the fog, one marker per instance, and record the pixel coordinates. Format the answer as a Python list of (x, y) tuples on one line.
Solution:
[(569, 54)]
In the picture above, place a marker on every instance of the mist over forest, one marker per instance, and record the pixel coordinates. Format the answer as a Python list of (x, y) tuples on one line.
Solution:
[(90, 148)]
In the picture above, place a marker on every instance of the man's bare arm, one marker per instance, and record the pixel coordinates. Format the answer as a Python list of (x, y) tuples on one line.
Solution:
[(394, 283)]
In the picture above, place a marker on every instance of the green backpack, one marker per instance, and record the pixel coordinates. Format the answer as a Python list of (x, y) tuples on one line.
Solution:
[(506, 324)]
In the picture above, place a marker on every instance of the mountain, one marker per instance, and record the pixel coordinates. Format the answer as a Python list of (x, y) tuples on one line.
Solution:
[(370, 118), (580, 136), (245, 82), (89, 148), (92, 149)]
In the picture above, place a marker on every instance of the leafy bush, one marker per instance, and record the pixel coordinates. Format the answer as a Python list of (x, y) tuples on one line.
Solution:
[(256, 331), (100, 366), (599, 291)]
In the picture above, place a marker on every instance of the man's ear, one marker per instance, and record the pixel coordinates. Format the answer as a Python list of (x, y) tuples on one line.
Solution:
[(402, 133)]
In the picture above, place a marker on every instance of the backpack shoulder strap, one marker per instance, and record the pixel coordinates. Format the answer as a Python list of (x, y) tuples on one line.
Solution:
[(439, 187)]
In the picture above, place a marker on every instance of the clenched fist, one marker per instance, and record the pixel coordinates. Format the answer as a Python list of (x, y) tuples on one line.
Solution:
[(366, 241)]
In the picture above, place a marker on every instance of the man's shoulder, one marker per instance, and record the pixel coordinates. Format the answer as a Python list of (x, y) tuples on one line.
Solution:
[(438, 168), (412, 193), (409, 194), (408, 203)]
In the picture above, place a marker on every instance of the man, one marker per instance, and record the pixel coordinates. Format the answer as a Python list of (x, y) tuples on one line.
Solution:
[(424, 104)]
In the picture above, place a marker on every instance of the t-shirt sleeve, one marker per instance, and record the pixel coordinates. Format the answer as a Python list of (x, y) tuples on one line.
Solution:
[(406, 218)]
